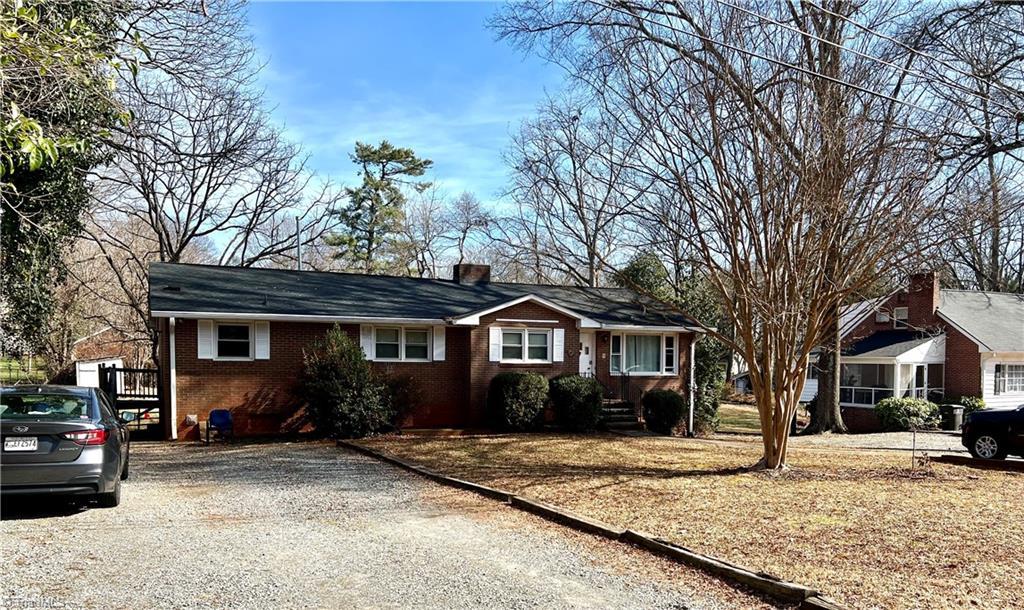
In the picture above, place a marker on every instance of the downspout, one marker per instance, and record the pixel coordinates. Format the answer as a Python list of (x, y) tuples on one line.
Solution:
[(693, 350), (174, 381)]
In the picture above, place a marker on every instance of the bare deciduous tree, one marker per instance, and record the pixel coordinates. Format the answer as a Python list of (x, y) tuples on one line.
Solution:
[(199, 169), (974, 55), (798, 194), (572, 182)]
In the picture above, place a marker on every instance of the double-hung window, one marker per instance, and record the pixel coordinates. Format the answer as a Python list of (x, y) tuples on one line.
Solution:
[(1009, 378), (525, 345), (388, 343), (401, 344), (900, 316), (417, 342), (644, 354), (234, 341)]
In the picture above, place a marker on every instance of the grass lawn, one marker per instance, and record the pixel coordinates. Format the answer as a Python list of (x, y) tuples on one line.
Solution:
[(855, 524), (738, 418), (14, 370)]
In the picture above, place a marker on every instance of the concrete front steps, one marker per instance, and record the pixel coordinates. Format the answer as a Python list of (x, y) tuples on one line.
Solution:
[(619, 415)]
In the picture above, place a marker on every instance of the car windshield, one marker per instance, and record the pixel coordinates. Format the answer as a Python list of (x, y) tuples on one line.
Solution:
[(43, 406)]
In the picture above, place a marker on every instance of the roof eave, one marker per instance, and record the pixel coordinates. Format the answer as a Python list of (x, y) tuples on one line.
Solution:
[(473, 318), (283, 317)]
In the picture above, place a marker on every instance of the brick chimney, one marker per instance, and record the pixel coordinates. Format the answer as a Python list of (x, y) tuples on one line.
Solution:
[(923, 298), (471, 274)]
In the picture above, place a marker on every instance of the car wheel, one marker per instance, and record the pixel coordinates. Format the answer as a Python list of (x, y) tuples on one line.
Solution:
[(112, 499), (124, 470), (988, 447)]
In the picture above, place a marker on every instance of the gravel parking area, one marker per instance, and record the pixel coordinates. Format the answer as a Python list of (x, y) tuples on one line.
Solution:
[(311, 525)]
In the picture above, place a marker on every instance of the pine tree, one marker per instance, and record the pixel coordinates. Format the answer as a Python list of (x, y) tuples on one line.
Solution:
[(375, 208)]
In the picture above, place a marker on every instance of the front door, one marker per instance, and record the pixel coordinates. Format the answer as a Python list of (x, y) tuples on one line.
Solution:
[(586, 353)]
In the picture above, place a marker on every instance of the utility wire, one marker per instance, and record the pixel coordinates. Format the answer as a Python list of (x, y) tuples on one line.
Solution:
[(802, 32), (801, 69), (903, 45)]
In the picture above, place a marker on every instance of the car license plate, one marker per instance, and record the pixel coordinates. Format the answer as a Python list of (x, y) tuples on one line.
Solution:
[(21, 443)]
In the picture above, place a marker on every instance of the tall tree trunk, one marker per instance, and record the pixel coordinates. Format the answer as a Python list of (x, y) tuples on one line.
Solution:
[(995, 279), (826, 416)]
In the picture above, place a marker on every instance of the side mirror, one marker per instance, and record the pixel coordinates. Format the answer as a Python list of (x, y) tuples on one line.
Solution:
[(128, 416)]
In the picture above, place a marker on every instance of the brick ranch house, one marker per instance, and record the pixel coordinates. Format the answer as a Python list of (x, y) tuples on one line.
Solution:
[(928, 342), (233, 338)]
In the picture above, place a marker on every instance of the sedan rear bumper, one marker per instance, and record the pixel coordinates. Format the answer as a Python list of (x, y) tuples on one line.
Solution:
[(38, 490), (91, 471)]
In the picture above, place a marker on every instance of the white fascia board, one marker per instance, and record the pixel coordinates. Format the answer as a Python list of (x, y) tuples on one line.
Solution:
[(653, 329), (931, 352), (283, 317), (867, 360), (473, 319)]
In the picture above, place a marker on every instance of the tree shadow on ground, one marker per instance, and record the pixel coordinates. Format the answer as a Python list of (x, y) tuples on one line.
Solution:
[(41, 507)]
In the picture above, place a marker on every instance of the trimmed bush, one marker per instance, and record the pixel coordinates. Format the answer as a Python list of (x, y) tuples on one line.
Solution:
[(969, 403), (345, 398), (663, 411), (515, 401), (907, 413), (576, 401)]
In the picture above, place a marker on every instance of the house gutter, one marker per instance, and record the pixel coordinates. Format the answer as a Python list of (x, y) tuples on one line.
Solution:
[(693, 378), (173, 399), (286, 317)]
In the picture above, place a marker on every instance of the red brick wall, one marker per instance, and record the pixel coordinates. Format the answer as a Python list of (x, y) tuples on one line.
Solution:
[(482, 370), (963, 365), (923, 299), (262, 394), (443, 386), (860, 420)]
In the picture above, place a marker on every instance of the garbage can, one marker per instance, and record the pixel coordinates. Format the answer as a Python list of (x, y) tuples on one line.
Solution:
[(952, 416)]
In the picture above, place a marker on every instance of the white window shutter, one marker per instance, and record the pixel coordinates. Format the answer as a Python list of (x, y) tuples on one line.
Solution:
[(438, 343), (205, 340), (559, 345), (262, 330), (366, 340), (495, 342)]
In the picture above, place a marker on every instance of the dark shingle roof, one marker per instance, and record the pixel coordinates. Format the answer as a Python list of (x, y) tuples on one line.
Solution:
[(213, 289), (887, 343)]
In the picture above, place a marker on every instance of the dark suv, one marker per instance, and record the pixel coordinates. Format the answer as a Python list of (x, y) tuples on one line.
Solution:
[(991, 434)]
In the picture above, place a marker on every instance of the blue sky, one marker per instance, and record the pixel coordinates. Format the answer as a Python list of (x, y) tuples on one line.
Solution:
[(430, 76)]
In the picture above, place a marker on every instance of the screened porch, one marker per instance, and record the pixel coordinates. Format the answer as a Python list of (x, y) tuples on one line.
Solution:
[(864, 384)]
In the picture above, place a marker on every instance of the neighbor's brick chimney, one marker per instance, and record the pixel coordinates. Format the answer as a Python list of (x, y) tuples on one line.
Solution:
[(923, 298), (471, 274)]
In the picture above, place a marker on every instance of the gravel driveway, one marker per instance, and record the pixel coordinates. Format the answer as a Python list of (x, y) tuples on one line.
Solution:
[(310, 525)]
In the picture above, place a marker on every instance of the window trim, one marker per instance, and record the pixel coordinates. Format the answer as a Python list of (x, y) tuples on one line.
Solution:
[(402, 343), (1003, 378), (662, 372), (525, 333), (900, 321), (216, 340)]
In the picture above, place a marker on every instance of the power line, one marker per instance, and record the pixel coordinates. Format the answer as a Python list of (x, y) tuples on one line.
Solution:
[(906, 46), (1012, 111), (801, 69)]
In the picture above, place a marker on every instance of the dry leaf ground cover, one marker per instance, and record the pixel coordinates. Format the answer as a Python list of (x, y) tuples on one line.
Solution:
[(854, 524)]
